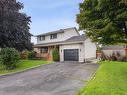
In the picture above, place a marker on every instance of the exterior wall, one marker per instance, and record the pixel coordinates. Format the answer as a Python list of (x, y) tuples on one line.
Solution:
[(70, 33), (72, 46), (48, 40), (90, 49), (110, 52), (37, 50), (60, 36)]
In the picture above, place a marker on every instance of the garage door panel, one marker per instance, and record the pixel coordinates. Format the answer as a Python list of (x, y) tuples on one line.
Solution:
[(71, 55)]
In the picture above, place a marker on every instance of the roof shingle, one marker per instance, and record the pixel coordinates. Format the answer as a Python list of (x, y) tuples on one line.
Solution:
[(53, 32), (76, 38)]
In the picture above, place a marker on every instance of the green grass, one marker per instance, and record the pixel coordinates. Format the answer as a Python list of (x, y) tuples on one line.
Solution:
[(110, 79), (22, 65)]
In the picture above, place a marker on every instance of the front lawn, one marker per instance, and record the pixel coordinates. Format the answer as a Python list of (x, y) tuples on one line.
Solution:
[(110, 79), (22, 65)]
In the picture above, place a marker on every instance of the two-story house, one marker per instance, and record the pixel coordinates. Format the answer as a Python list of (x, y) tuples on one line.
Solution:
[(71, 45)]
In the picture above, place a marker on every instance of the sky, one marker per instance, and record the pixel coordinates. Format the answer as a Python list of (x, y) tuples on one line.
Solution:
[(51, 15)]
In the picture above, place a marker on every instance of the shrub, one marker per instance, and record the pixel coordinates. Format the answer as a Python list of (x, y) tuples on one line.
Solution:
[(55, 54), (114, 57), (31, 55), (9, 57)]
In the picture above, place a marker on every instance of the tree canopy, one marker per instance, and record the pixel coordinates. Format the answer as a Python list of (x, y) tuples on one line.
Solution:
[(104, 21), (14, 25)]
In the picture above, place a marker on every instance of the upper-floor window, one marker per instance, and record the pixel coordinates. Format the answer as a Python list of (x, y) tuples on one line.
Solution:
[(41, 38), (53, 36)]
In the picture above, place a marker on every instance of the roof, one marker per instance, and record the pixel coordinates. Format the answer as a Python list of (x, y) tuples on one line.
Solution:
[(72, 40), (58, 31), (76, 38), (56, 43)]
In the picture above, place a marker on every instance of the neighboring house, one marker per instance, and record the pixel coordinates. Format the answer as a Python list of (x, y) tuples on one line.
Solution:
[(71, 45), (110, 49)]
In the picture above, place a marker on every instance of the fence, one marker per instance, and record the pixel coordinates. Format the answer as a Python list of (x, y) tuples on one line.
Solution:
[(110, 52)]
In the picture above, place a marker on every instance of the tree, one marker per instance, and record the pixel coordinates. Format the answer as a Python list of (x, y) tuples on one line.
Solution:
[(104, 21), (123, 1), (14, 26)]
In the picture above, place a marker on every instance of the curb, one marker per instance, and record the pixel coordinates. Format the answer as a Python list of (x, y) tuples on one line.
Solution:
[(21, 71)]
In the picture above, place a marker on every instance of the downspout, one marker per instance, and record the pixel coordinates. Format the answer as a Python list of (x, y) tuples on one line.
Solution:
[(84, 52)]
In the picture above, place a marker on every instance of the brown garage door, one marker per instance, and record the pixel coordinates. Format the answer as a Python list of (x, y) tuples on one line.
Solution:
[(71, 55)]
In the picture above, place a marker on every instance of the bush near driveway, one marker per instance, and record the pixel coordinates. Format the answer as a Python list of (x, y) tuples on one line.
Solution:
[(55, 54), (9, 57), (31, 55), (110, 79), (116, 56), (28, 55)]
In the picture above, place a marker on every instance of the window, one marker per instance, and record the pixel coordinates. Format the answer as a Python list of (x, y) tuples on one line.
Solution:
[(41, 38), (53, 36), (44, 50)]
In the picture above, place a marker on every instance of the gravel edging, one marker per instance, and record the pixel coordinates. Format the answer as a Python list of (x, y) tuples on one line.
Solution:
[(21, 71)]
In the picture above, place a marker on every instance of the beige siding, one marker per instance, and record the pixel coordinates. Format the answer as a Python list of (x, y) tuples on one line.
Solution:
[(37, 50), (90, 49), (60, 36)]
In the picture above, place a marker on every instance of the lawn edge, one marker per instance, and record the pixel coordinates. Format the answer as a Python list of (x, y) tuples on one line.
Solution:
[(91, 78), (24, 70)]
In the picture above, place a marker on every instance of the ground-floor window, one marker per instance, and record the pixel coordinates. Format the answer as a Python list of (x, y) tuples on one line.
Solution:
[(44, 50)]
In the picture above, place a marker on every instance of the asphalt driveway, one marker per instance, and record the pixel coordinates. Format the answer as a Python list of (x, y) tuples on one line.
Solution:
[(52, 79)]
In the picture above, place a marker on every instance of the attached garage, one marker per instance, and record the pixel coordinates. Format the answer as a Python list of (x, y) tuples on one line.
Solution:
[(72, 52), (71, 55), (79, 51)]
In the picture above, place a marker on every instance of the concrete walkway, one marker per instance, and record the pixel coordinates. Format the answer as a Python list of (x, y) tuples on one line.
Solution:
[(52, 79)]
